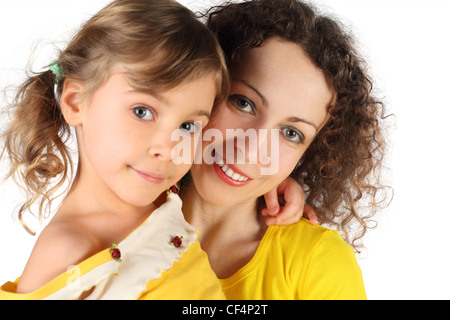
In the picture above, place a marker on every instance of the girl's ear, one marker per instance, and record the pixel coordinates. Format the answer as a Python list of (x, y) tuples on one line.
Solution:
[(71, 102)]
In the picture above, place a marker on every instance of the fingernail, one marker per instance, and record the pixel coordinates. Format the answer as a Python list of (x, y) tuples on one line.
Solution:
[(273, 211)]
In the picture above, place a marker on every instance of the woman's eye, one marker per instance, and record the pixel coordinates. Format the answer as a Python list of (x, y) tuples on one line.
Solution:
[(143, 113), (190, 127), (293, 135), (243, 104)]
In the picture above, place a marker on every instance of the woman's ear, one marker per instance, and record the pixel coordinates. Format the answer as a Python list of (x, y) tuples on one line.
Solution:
[(71, 102)]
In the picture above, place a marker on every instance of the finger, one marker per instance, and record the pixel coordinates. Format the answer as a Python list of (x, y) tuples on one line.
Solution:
[(271, 198), (292, 210), (265, 212), (271, 221), (289, 214), (311, 214), (283, 222), (294, 193)]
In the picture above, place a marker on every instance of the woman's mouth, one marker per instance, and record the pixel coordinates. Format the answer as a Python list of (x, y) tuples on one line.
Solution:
[(229, 173)]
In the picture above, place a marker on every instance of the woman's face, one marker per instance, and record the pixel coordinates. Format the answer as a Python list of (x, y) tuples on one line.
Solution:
[(278, 103)]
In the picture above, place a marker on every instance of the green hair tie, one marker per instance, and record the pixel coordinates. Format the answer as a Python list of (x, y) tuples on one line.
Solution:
[(55, 68)]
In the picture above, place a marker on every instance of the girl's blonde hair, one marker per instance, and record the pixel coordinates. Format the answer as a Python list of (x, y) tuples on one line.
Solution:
[(160, 43)]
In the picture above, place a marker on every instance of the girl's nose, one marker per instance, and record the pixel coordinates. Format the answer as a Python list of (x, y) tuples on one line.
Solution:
[(161, 152), (161, 145)]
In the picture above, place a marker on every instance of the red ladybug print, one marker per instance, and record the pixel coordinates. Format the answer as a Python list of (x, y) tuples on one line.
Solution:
[(177, 241), (115, 253)]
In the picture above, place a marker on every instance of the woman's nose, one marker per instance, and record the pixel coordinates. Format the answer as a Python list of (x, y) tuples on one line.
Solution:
[(253, 145), (245, 144)]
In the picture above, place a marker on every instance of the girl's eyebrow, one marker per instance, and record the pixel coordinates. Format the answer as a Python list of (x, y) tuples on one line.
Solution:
[(201, 113), (263, 99), (160, 98), (155, 95)]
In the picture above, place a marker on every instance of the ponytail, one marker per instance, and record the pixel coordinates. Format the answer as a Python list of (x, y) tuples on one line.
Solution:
[(35, 142)]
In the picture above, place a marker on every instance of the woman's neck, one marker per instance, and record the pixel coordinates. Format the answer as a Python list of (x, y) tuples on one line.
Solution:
[(207, 216), (230, 234)]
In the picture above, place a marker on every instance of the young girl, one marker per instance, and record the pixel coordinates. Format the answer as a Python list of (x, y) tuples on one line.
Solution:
[(136, 72)]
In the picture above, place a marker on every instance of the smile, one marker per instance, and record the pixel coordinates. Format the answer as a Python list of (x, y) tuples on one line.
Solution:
[(227, 172), (149, 176), (230, 173)]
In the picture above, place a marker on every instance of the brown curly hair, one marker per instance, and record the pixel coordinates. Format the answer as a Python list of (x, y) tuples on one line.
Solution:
[(341, 168), (162, 45)]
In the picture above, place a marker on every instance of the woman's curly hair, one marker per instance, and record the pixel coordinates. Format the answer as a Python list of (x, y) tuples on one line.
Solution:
[(341, 168)]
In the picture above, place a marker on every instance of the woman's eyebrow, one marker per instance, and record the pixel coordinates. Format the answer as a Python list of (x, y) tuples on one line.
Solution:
[(263, 99), (265, 103), (295, 119)]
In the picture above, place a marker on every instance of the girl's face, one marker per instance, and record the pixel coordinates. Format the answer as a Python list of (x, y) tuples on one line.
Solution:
[(124, 136), (275, 87)]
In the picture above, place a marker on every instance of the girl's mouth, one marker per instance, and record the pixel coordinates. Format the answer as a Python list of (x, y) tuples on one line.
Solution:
[(149, 176)]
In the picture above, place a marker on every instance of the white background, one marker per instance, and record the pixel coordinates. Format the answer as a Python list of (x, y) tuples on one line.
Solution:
[(407, 44)]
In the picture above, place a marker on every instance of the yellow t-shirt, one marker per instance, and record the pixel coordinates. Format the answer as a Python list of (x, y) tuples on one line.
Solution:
[(151, 267), (301, 262)]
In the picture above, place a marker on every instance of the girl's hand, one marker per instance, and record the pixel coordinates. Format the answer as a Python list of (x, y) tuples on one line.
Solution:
[(286, 205)]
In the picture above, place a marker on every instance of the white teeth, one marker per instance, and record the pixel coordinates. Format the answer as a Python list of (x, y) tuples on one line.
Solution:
[(228, 171), (219, 160), (235, 176)]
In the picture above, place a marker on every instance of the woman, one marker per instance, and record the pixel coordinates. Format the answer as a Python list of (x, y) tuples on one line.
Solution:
[(296, 73)]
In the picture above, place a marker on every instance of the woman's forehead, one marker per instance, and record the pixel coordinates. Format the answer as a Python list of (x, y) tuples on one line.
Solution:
[(283, 74)]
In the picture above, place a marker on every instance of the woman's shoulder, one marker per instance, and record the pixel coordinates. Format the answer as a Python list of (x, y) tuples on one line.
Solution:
[(306, 235), (320, 262), (302, 242)]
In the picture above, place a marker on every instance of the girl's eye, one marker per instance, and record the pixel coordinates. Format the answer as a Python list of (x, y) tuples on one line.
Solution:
[(243, 104), (293, 135), (190, 127), (143, 113)]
